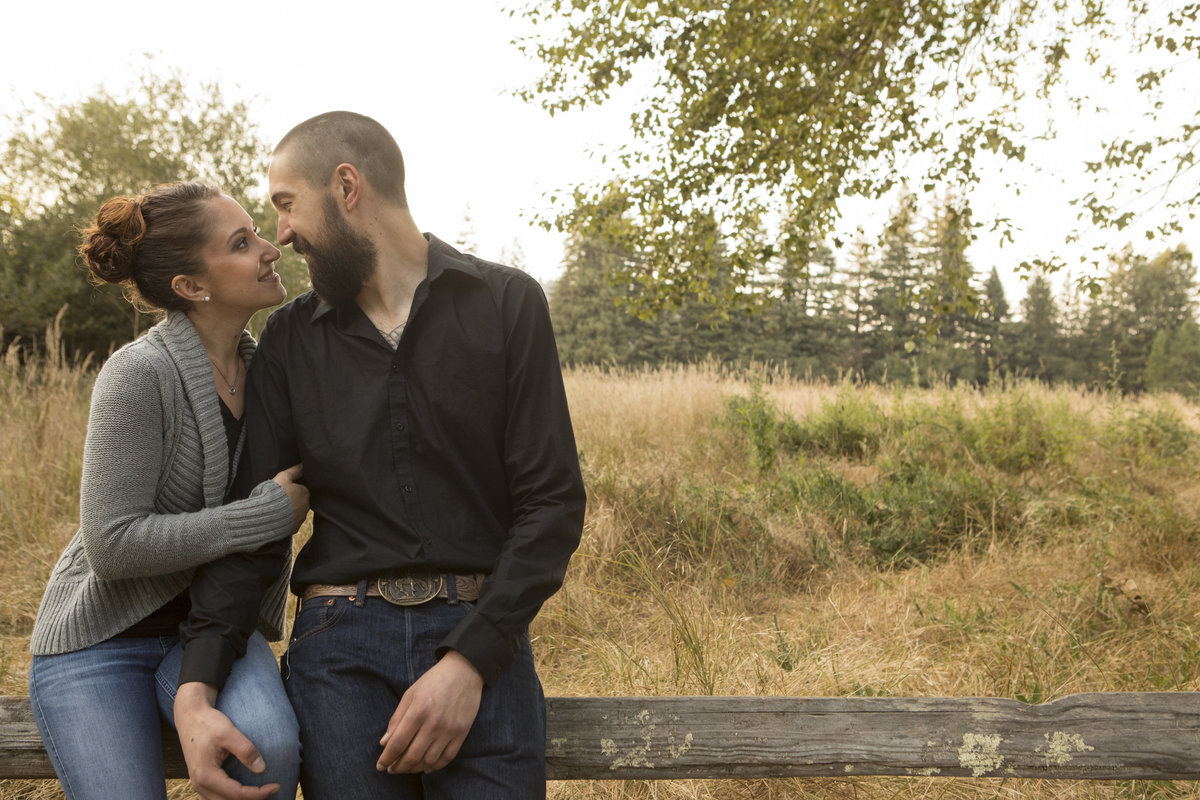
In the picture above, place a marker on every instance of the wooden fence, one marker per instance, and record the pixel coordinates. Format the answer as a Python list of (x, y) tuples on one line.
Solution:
[(1105, 736)]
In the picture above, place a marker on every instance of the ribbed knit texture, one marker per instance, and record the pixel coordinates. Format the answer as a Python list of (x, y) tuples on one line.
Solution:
[(155, 473)]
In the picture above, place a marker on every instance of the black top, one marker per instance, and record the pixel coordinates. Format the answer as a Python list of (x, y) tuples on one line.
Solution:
[(166, 620), (453, 452), (233, 430)]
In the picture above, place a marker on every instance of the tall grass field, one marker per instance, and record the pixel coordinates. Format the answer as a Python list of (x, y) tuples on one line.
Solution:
[(751, 533)]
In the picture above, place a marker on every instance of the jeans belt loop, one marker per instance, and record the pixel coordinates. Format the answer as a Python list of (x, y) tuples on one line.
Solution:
[(360, 596), (451, 590)]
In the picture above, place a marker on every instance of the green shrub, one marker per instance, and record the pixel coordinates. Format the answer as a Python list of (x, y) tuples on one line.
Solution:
[(916, 511), (762, 422), (1016, 432), (850, 426), (912, 512), (1143, 433), (825, 493), (695, 528)]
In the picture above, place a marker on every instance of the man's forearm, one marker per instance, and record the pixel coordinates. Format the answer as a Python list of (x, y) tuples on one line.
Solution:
[(226, 596)]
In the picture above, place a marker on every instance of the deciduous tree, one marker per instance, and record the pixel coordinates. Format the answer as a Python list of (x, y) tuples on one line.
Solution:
[(773, 111), (63, 160)]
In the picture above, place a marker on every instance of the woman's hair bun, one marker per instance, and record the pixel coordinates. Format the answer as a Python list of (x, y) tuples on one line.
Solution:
[(145, 241), (109, 242)]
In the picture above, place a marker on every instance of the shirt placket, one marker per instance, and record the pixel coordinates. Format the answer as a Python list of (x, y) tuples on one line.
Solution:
[(400, 427)]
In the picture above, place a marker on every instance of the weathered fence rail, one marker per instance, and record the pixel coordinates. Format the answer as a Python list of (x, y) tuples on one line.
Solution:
[(1105, 736)]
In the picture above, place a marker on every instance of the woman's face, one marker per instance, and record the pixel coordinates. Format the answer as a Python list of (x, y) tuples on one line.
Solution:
[(241, 272)]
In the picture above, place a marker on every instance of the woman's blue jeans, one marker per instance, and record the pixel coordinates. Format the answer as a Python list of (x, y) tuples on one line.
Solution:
[(345, 669), (100, 711)]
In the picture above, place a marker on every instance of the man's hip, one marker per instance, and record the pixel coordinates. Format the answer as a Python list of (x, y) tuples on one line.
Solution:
[(348, 663)]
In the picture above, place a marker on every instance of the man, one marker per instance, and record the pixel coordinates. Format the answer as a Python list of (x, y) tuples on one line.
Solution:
[(421, 391)]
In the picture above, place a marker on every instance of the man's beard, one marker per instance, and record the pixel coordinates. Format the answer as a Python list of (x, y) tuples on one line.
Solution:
[(342, 263)]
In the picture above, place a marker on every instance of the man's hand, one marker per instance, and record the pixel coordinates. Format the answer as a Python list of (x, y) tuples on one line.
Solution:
[(208, 737), (433, 717)]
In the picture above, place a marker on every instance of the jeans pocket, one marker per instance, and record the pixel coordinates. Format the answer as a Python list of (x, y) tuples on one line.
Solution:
[(316, 617)]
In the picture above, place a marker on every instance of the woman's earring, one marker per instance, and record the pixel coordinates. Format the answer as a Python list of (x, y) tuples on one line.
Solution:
[(207, 298)]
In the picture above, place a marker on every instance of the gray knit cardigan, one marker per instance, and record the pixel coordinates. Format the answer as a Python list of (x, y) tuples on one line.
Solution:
[(155, 473)]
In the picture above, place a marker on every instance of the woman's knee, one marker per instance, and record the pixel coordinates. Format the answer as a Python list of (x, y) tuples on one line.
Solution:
[(272, 728), (280, 740), (276, 736), (256, 703)]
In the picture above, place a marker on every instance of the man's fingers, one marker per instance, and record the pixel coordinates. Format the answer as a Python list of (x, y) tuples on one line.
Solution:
[(243, 750), (208, 737), (436, 756), (215, 784), (429, 750), (449, 753), (400, 731), (255, 792), (415, 756), (433, 717), (399, 741)]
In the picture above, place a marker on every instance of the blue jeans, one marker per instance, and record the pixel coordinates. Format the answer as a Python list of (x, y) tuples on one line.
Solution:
[(347, 666), (99, 711)]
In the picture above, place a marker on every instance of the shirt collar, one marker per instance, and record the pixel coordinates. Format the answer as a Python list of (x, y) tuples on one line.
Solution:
[(442, 257)]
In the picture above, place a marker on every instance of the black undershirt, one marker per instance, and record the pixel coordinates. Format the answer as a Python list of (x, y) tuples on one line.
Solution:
[(167, 619)]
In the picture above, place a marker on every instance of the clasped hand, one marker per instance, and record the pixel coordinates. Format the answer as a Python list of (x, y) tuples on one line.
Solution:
[(208, 737)]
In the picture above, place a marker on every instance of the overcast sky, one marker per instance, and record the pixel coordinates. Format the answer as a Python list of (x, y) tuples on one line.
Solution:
[(440, 77)]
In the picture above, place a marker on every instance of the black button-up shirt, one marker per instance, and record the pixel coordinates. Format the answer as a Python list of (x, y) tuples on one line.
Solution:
[(453, 452)]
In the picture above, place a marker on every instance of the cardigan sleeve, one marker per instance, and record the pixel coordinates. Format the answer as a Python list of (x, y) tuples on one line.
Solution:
[(124, 534)]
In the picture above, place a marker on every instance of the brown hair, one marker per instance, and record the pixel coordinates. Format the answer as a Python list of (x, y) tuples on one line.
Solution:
[(319, 144), (143, 242)]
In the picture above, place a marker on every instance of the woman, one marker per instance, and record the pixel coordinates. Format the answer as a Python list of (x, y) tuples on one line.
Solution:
[(163, 435)]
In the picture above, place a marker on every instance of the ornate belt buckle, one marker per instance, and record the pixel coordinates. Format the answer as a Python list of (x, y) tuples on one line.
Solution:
[(411, 589)]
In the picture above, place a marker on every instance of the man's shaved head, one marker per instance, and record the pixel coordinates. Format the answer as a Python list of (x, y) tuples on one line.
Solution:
[(316, 146)]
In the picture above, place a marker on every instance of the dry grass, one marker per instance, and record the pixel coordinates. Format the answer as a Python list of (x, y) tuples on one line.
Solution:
[(41, 452), (700, 573)]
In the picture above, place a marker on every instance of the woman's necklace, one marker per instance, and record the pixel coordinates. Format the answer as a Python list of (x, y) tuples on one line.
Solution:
[(236, 373)]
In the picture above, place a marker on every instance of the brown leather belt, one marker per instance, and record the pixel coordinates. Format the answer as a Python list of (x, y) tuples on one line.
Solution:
[(406, 589)]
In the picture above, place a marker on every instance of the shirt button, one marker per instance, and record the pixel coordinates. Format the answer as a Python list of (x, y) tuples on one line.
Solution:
[(408, 488), (400, 426), (395, 367)]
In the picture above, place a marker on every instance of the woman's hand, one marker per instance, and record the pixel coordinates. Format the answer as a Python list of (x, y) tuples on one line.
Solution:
[(297, 493)]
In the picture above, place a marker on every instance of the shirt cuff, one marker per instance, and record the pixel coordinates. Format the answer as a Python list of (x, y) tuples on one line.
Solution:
[(489, 649), (208, 660)]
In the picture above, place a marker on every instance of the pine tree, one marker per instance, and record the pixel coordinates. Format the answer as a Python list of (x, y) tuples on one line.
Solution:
[(592, 326), (1037, 341), (993, 327), (895, 283), (1142, 297), (949, 301), (1174, 361)]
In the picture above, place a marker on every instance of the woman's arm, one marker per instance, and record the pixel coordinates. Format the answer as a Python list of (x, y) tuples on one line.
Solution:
[(124, 533)]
